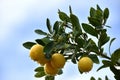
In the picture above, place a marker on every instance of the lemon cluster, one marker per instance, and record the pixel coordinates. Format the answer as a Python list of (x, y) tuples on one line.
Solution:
[(52, 66)]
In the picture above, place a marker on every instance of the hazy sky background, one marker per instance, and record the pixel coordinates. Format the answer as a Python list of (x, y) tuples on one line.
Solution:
[(19, 19)]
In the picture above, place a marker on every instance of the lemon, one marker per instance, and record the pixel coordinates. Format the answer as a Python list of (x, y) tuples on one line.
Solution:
[(85, 64), (50, 70), (37, 54), (58, 60)]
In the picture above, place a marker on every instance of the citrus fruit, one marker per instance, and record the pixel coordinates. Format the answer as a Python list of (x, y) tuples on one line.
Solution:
[(85, 64), (58, 60), (50, 70), (37, 54)]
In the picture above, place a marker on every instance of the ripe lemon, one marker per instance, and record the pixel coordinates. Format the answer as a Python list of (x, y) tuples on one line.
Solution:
[(37, 54), (50, 70), (58, 60), (85, 64)]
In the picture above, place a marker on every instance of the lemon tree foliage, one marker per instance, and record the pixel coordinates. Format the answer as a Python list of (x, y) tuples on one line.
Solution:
[(69, 40)]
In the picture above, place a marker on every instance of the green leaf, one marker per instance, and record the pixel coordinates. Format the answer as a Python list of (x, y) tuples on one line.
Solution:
[(40, 74), (38, 31), (106, 78), (60, 72), (56, 27), (99, 15), (107, 63), (89, 29), (76, 25), (98, 7), (79, 41), (95, 22), (48, 49), (103, 38), (99, 78), (111, 41), (70, 9), (60, 45), (46, 40), (39, 69), (92, 78), (106, 13), (94, 58), (92, 12), (49, 78), (49, 25), (28, 45), (91, 46), (115, 56), (103, 66), (116, 72), (63, 16), (39, 41), (73, 58), (43, 41)]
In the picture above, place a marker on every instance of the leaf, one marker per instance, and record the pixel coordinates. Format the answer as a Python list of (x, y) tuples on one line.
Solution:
[(43, 41), (106, 63), (111, 41), (73, 58), (63, 16), (103, 38), (39, 41), (48, 49), (40, 74), (106, 78), (91, 46), (49, 78), (106, 13), (76, 25), (115, 56), (46, 40), (56, 27), (94, 58), (60, 72), (116, 72), (49, 25), (38, 31), (79, 41), (39, 69), (99, 15), (98, 7), (92, 78), (103, 66), (89, 29), (95, 22), (28, 45), (99, 78), (92, 12), (70, 9)]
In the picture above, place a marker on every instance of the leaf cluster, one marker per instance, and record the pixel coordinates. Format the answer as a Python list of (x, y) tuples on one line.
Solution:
[(71, 38)]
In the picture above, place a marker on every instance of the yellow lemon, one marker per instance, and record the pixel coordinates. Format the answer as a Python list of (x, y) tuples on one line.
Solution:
[(85, 64), (58, 60), (50, 70), (37, 54)]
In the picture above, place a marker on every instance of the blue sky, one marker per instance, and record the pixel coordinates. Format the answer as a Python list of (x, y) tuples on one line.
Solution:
[(19, 19)]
